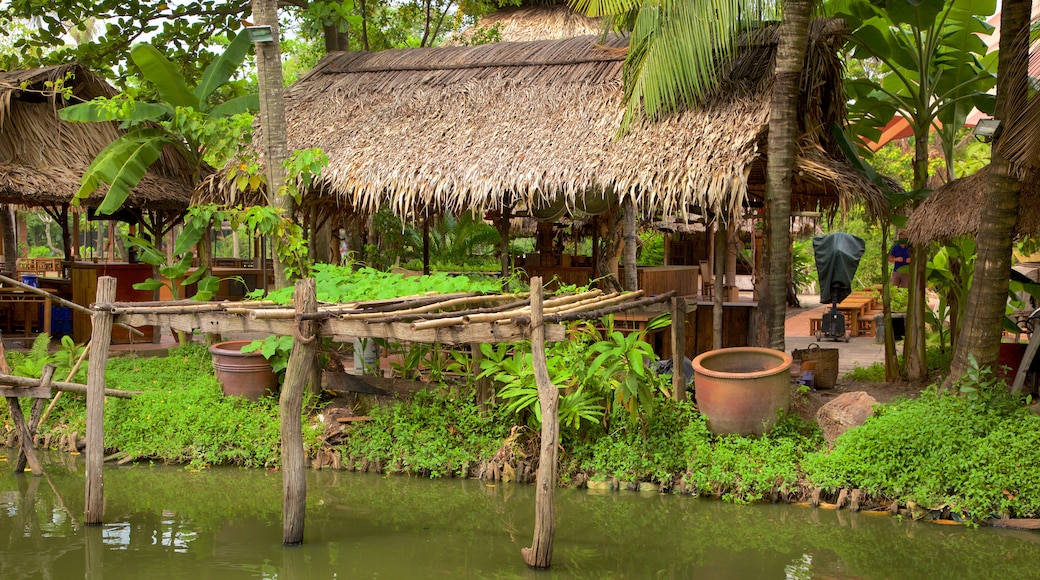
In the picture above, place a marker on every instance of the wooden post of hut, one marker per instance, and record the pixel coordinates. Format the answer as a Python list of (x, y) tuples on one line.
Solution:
[(539, 555), (100, 338), (679, 348), (628, 208), (719, 292), (294, 462)]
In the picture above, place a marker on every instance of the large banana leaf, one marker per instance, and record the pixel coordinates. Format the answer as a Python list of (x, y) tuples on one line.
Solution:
[(122, 164), (162, 73), (221, 69), (243, 104), (105, 110)]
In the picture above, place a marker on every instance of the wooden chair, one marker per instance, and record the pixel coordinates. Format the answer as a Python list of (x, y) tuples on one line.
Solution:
[(707, 279)]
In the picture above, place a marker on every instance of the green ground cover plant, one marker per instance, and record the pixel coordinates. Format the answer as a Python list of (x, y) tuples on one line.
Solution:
[(180, 416), (345, 284), (433, 434), (976, 452)]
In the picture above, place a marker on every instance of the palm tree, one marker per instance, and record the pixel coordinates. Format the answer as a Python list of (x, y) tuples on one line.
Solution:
[(783, 132), (272, 118), (983, 317)]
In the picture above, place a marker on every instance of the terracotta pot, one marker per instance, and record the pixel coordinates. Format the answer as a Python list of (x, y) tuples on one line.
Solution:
[(242, 374), (741, 390)]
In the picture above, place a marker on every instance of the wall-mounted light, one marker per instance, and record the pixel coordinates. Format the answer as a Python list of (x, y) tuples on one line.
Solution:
[(987, 130), (260, 33)]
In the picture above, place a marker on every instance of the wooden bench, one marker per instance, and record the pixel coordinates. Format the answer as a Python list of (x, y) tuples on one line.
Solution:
[(816, 325)]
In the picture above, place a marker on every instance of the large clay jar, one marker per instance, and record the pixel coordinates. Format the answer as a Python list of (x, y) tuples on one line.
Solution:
[(242, 374), (741, 390)]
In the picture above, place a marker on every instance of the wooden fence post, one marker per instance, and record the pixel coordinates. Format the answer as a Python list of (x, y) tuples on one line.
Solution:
[(679, 348), (539, 555), (294, 465), (100, 337)]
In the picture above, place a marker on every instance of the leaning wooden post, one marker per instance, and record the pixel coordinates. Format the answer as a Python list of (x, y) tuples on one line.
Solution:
[(679, 348), (21, 426), (539, 555), (34, 421), (100, 338), (294, 467)]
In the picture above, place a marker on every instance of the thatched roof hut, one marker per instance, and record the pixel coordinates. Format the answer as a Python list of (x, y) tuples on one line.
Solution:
[(539, 22), (956, 209), (42, 158), (473, 128)]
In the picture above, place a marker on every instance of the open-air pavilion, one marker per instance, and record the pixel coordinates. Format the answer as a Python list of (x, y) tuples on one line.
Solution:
[(514, 127)]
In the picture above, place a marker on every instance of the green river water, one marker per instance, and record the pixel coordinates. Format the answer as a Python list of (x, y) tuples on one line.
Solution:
[(225, 523)]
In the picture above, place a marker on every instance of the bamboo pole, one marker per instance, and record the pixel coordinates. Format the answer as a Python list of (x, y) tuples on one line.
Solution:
[(678, 348), (590, 314), (176, 309), (26, 382), (294, 468), (60, 300), (539, 555), (100, 337), (435, 315)]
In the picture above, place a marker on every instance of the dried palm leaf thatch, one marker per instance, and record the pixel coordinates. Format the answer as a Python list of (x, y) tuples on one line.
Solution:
[(471, 128), (42, 158), (524, 23), (956, 209)]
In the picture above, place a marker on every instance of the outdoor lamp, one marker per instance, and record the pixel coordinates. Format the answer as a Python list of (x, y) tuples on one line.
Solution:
[(260, 33), (987, 130)]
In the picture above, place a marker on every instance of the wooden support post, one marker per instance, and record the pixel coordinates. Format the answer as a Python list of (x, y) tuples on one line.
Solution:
[(678, 348), (34, 420), (294, 462), (628, 207), (483, 386), (100, 337), (720, 288), (539, 555)]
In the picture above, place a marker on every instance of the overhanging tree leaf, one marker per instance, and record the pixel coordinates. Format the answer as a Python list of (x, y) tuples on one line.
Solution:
[(162, 73), (243, 104), (121, 165), (222, 68)]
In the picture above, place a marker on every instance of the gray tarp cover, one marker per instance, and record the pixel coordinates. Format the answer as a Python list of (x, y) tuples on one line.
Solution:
[(837, 257)]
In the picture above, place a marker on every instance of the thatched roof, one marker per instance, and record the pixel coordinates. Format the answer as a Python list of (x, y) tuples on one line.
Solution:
[(526, 23), (42, 158), (467, 128), (956, 209)]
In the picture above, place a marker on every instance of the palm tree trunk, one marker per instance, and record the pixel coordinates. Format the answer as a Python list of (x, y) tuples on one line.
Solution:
[(914, 345), (783, 134), (984, 313), (272, 119)]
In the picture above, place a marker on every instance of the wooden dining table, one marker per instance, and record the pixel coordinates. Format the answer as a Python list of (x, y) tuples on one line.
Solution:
[(13, 300)]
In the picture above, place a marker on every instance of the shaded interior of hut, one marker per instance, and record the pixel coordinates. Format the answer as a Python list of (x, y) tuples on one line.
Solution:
[(576, 248), (91, 246)]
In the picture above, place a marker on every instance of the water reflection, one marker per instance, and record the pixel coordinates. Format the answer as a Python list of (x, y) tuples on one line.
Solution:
[(165, 522)]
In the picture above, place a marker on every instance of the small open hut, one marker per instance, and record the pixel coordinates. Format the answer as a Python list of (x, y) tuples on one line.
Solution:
[(955, 209), (42, 158), (534, 20), (523, 123)]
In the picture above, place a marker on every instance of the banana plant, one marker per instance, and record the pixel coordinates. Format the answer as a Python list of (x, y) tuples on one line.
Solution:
[(185, 119)]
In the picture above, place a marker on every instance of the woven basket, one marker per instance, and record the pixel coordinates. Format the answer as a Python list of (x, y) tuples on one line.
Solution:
[(826, 360)]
